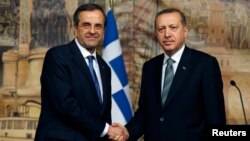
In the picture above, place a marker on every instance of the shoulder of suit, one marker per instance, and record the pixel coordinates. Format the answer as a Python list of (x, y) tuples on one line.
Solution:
[(199, 53), (62, 50), (155, 60)]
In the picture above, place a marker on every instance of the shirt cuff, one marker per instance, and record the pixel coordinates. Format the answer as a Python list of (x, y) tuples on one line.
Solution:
[(105, 131)]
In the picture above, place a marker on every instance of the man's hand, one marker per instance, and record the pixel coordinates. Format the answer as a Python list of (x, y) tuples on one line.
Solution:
[(117, 132)]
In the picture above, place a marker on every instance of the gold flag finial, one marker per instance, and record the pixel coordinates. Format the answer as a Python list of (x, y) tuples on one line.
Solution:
[(111, 3)]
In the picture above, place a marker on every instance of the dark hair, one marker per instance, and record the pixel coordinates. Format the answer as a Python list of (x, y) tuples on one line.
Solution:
[(87, 7), (172, 10)]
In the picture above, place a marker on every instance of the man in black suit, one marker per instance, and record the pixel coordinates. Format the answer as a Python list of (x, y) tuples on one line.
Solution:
[(194, 100), (76, 98)]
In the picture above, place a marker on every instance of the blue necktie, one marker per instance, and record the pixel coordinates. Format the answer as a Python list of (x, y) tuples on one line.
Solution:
[(169, 75), (94, 77)]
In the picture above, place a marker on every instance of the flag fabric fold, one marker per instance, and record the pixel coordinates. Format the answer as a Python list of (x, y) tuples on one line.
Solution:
[(112, 54)]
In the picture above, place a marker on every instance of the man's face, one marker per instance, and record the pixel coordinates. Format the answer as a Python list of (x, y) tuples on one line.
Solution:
[(90, 29), (170, 32)]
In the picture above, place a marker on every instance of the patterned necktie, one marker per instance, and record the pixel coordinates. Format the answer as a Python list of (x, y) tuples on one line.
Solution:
[(169, 75), (94, 77)]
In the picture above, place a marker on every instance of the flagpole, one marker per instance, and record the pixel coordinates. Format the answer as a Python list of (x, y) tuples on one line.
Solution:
[(111, 4)]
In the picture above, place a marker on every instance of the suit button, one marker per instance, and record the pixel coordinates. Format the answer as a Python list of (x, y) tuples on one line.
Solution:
[(161, 119)]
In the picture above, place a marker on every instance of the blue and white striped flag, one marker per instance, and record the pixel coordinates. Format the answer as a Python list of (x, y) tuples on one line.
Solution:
[(112, 54)]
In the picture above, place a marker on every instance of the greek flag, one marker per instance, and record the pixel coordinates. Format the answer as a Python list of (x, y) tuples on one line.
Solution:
[(112, 54)]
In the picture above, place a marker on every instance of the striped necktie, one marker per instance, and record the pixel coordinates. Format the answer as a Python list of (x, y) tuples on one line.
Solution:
[(169, 75)]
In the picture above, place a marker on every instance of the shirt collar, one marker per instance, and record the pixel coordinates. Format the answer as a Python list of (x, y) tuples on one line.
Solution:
[(176, 57), (85, 53)]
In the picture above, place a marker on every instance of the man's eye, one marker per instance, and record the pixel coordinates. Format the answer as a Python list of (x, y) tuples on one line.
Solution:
[(84, 25), (173, 28), (98, 26), (161, 29)]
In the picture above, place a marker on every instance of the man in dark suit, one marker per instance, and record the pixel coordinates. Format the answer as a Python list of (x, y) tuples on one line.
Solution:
[(76, 88), (193, 91)]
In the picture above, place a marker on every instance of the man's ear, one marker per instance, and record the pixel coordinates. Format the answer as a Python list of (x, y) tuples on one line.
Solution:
[(186, 31)]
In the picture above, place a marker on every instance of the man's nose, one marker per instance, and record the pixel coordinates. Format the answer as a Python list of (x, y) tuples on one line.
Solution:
[(167, 33), (92, 29)]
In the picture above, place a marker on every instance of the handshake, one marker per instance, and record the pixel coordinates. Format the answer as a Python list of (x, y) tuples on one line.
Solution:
[(117, 132)]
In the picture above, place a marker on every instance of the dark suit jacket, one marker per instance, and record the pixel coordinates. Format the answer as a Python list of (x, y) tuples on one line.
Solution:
[(195, 100), (70, 108)]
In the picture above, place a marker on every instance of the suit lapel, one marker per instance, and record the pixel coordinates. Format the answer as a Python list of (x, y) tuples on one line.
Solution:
[(82, 65), (182, 71), (158, 73), (104, 81), (79, 60)]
